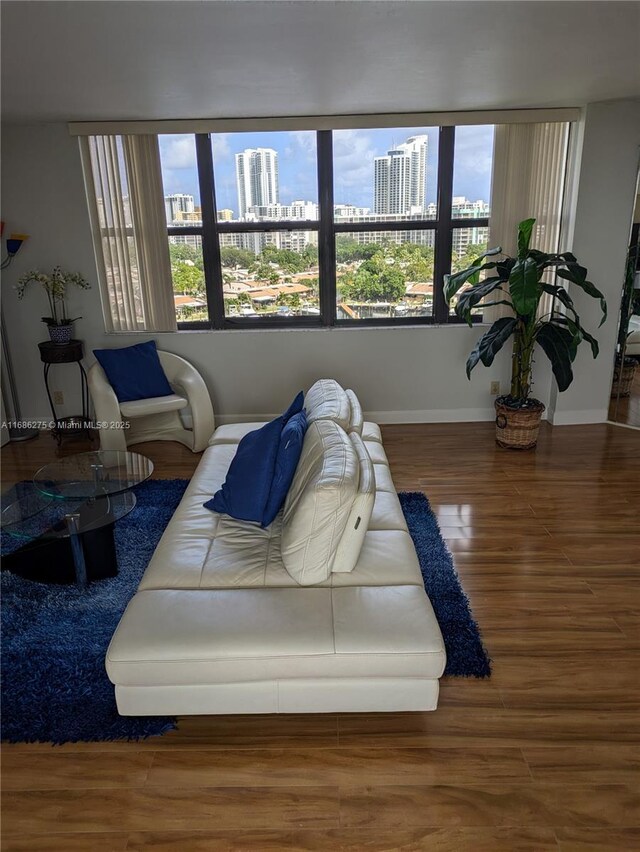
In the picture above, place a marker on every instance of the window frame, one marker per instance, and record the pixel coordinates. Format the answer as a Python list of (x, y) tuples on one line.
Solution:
[(211, 229)]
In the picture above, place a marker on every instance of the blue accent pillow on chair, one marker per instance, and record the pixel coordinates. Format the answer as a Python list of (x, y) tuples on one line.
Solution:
[(289, 450), (247, 487), (134, 372)]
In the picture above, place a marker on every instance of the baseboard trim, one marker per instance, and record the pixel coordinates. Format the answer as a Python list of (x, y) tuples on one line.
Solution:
[(432, 415), (580, 418), (623, 425)]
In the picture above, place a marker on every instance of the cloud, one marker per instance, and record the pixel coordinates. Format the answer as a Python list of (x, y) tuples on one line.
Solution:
[(473, 161), (220, 146), (178, 152), (353, 154), (305, 140)]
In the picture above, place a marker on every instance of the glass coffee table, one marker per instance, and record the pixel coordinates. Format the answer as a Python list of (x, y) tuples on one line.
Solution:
[(63, 522)]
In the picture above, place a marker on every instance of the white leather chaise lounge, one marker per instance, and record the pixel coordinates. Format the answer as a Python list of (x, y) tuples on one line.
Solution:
[(322, 611)]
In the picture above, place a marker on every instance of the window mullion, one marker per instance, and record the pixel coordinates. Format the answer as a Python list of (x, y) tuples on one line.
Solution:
[(210, 242), (326, 234), (444, 235)]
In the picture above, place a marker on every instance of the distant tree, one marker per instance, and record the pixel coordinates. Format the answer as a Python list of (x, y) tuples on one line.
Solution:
[(464, 261), (232, 257), (349, 250), (180, 252), (366, 285), (273, 279), (187, 279), (261, 270)]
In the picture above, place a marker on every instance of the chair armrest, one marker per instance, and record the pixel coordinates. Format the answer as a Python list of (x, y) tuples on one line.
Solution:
[(185, 377), (107, 409)]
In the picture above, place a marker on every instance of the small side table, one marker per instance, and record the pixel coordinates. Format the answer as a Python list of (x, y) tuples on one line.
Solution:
[(69, 353)]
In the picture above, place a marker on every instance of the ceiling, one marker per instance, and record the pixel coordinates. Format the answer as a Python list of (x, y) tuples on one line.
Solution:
[(238, 58)]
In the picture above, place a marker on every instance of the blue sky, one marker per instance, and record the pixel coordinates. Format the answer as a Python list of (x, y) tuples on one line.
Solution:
[(354, 151)]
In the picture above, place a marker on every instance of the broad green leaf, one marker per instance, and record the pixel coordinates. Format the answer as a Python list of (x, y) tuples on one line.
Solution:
[(556, 344), (491, 342), (524, 287), (561, 295), (494, 340), (565, 323), (576, 329), (577, 275), (498, 302), (525, 229), (488, 253), (504, 267), (595, 347), (468, 299), (452, 283)]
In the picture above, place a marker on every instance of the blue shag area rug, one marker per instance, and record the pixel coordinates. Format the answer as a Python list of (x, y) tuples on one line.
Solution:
[(466, 656), (54, 637)]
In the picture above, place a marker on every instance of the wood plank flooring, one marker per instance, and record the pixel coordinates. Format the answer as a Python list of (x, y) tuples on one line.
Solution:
[(543, 756)]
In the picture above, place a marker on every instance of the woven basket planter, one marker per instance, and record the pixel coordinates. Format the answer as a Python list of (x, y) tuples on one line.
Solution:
[(517, 428), (623, 378)]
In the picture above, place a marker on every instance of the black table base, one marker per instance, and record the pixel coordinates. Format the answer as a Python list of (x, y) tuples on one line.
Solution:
[(50, 560)]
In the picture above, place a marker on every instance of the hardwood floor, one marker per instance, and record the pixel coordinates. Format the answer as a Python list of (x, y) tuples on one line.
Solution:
[(543, 756)]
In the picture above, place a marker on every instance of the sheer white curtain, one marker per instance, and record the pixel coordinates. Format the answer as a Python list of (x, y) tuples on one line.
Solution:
[(126, 206), (529, 169)]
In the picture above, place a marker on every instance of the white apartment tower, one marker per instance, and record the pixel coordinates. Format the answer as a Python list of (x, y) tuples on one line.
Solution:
[(256, 179), (178, 202), (400, 178)]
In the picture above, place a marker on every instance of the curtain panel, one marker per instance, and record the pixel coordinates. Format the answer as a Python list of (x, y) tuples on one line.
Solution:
[(125, 197), (529, 173)]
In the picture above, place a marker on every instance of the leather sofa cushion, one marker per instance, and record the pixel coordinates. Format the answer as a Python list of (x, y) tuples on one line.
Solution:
[(319, 502), (371, 432), (327, 400), (356, 418), (174, 637), (350, 545)]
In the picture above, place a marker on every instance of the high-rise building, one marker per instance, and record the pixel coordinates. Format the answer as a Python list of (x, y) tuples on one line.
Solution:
[(256, 179), (176, 203), (400, 178)]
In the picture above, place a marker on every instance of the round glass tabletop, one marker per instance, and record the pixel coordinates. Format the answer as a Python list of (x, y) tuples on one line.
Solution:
[(34, 515), (93, 474)]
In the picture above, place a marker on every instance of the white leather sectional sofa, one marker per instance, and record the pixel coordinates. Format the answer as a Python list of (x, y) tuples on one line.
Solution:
[(322, 611)]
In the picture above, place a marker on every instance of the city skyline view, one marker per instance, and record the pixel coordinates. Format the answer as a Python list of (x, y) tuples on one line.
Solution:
[(355, 153)]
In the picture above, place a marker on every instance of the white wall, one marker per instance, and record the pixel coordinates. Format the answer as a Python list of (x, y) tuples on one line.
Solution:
[(401, 375), (603, 217)]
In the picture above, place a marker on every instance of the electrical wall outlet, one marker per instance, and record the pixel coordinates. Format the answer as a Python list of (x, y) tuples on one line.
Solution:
[(495, 388), (58, 398)]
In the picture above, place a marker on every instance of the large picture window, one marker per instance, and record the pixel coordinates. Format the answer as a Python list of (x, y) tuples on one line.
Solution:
[(308, 228)]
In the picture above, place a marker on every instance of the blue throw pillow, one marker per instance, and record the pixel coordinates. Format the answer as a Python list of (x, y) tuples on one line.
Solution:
[(134, 372), (289, 450), (246, 489), (295, 407)]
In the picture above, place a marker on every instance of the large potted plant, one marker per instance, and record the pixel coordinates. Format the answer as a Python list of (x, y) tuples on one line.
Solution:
[(519, 282), (55, 286)]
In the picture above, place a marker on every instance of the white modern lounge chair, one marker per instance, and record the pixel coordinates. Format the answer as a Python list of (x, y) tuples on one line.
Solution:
[(185, 416)]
